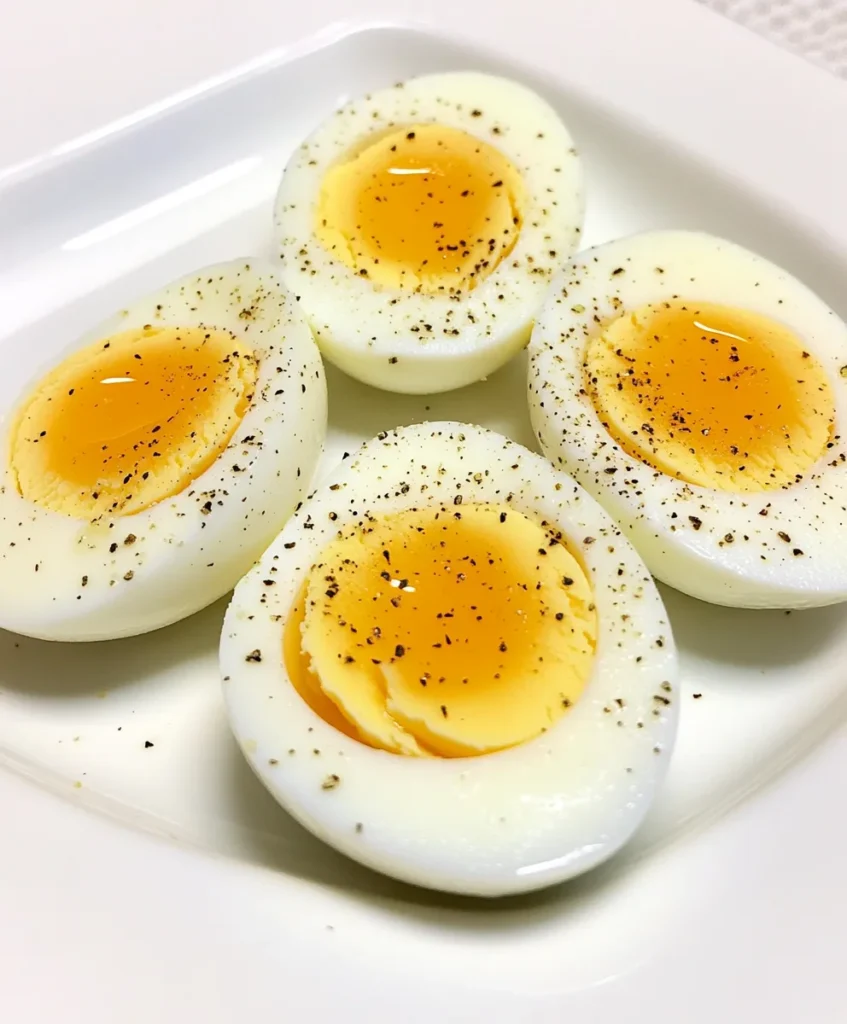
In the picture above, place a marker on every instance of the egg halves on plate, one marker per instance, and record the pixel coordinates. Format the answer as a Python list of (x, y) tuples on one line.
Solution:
[(419, 227), (144, 473), (699, 393), (452, 666)]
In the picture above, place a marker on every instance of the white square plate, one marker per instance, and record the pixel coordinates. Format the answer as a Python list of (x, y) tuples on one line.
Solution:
[(109, 217)]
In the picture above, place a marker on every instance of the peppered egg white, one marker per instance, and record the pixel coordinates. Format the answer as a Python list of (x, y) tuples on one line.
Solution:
[(146, 471), (452, 666), (699, 393), (419, 227)]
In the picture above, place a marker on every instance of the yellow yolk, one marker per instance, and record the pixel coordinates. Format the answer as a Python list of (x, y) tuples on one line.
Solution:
[(299, 667), (718, 397), (425, 208), (130, 420), (451, 632)]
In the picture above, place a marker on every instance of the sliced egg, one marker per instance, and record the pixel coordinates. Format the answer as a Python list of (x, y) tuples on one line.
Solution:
[(147, 470), (452, 666), (419, 227), (699, 393)]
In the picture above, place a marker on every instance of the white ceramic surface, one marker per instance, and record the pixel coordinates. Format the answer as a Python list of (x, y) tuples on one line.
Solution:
[(772, 686)]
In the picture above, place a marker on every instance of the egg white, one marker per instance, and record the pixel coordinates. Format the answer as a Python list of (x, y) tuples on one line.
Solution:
[(189, 549), (417, 343), (713, 544), (507, 822)]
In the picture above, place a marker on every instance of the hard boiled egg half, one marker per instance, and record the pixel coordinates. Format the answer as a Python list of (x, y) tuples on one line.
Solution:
[(419, 227), (452, 666), (145, 472), (700, 394)]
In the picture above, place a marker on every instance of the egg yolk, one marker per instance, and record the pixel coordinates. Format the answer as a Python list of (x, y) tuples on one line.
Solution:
[(425, 208), (130, 420), (451, 632), (720, 397)]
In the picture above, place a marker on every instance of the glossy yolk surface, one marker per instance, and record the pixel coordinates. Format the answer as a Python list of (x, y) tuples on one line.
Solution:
[(715, 396), (449, 632), (130, 420), (425, 208)]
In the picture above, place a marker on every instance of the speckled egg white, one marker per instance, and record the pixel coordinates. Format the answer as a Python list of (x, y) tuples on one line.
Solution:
[(420, 343), (506, 822), (63, 578), (779, 548)]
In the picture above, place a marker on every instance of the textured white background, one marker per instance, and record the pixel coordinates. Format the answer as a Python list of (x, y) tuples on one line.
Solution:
[(817, 29)]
